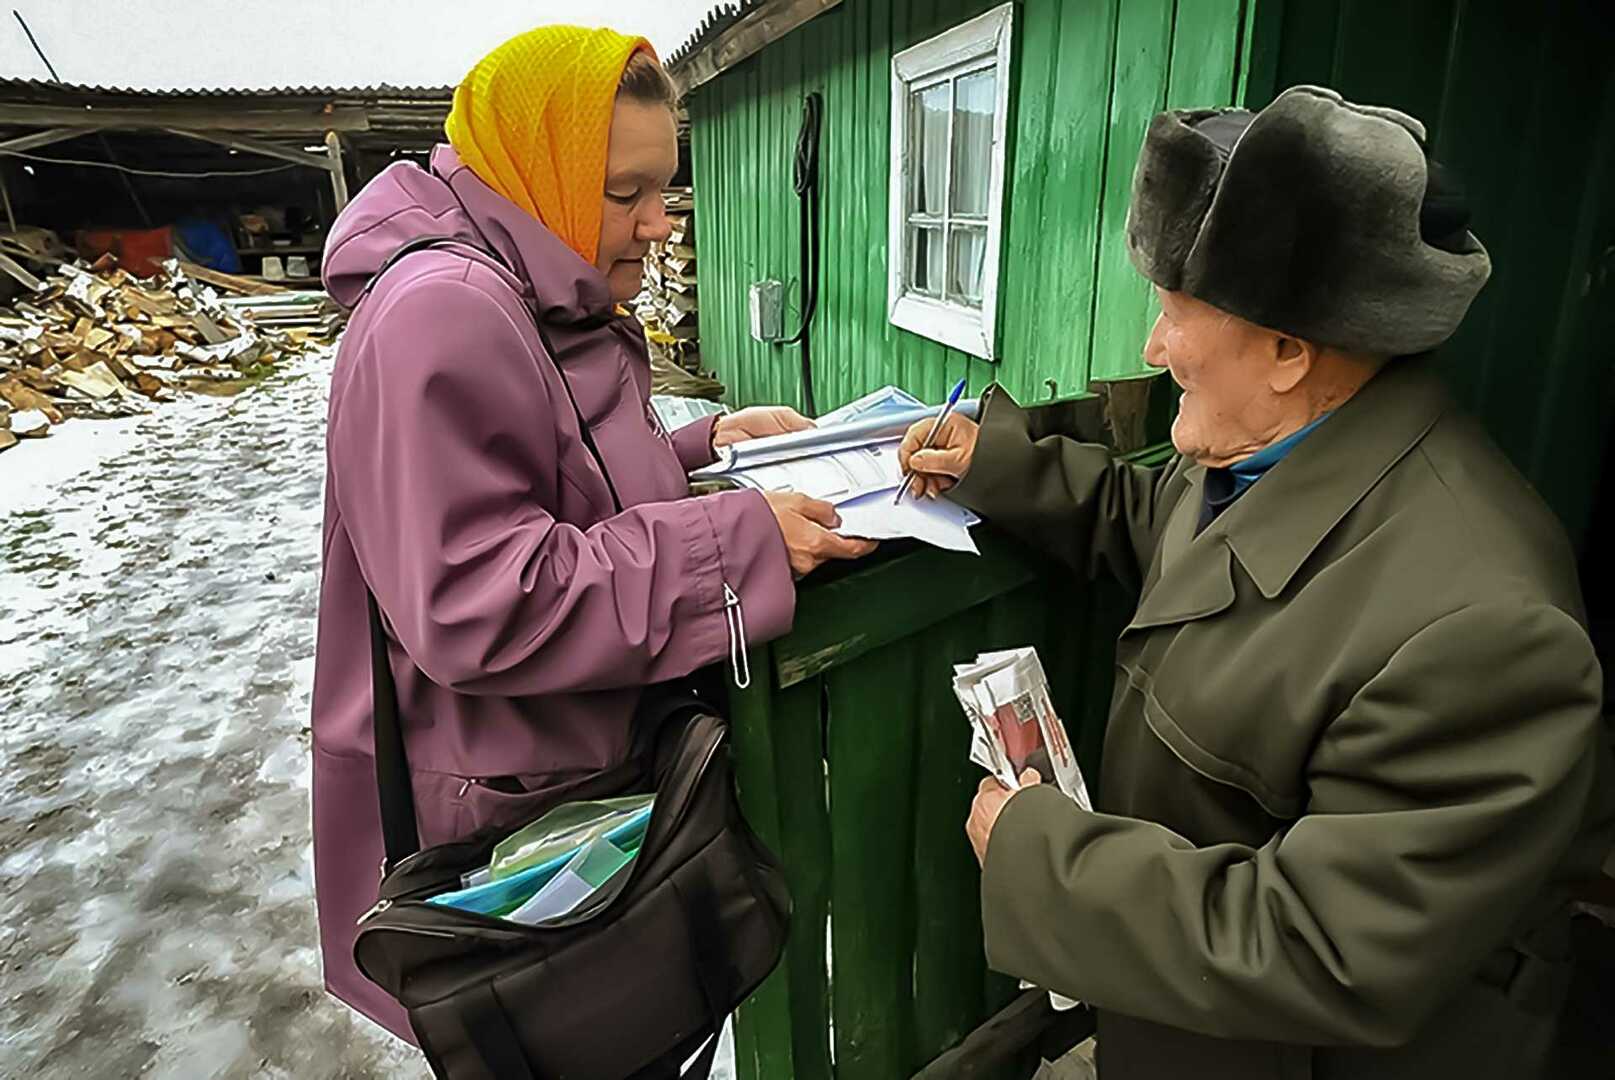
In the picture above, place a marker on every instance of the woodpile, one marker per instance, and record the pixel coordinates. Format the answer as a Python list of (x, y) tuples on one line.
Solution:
[(668, 307), (96, 341)]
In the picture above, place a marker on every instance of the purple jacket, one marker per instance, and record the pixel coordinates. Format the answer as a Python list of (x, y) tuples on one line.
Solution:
[(525, 614)]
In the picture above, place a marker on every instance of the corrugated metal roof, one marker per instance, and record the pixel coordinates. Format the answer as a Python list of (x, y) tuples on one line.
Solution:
[(13, 87), (716, 22)]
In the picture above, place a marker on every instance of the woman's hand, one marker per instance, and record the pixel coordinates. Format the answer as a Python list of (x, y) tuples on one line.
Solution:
[(757, 422), (939, 468), (805, 524)]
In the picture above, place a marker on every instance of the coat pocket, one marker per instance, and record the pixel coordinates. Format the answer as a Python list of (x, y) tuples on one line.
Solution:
[(1281, 804)]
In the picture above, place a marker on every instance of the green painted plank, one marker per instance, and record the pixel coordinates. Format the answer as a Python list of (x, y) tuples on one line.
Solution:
[(871, 778), (1027, 286), (783, 1030), (1205, 54), (1259, 53), (1391, 52), (932, 584), (1122, 309), (1076, 141)]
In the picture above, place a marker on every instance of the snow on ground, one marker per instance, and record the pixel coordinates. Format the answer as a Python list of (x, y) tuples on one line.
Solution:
[(158, 583)]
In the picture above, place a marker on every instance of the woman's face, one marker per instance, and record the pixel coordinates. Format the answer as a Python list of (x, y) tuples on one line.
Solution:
[(641, 159)]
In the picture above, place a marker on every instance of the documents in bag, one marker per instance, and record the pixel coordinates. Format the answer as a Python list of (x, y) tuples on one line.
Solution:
[(849, 459), (553, 866)]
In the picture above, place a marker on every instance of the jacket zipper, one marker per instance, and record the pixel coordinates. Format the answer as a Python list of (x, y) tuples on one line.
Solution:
[(735, 618)]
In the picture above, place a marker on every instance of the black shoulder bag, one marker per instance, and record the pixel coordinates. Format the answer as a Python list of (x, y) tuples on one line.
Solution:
[(632, 984)]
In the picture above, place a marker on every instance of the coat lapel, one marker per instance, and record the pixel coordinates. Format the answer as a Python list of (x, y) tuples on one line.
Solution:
[(1193, 576), (1276, 525), (1280, 522)]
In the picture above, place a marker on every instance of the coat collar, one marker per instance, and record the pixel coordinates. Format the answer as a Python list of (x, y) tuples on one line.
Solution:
[(1282, 519)]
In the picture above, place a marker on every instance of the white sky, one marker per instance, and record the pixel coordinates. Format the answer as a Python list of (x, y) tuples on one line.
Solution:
[(251, 44)]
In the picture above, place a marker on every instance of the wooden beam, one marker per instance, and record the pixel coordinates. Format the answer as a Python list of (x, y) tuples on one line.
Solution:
[(5, 192), (231, 282), (213, 118), (257, 146), (750, 35), (43, 138), (339, 180)]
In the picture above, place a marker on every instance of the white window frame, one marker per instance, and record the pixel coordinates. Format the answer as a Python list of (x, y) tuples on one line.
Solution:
[(980, 43)]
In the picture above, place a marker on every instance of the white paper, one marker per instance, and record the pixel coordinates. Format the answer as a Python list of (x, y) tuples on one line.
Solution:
[(885, 401), (834, 477), (675, 411), (935, 521)]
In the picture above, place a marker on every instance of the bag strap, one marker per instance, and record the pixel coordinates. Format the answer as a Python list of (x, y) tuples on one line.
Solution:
[(398, 831), (400, 835)]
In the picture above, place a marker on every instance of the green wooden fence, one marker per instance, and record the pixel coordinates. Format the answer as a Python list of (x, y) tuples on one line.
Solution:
[(852, 763)]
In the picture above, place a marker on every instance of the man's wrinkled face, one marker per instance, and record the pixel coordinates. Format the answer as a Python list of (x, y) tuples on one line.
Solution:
[(1225, 366)]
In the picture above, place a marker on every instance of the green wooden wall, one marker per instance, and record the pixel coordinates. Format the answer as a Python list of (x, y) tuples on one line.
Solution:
[(1088, 74), (1520, 99)]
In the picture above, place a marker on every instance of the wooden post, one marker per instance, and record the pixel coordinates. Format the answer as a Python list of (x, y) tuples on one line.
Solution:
[(339, 181), (5, 193)]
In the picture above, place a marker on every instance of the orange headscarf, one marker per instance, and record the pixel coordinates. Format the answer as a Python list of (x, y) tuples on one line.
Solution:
[(533, 120)]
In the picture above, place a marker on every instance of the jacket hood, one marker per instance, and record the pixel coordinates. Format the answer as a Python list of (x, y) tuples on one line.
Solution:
[(406, 202)]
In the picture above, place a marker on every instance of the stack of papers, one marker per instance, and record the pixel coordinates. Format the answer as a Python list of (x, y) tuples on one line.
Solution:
[(1013, 727), (566, 874), (1013, 723), (849, 459)]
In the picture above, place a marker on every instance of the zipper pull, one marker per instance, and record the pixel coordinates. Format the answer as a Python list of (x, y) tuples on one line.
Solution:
[(376, 909), (735, 618)]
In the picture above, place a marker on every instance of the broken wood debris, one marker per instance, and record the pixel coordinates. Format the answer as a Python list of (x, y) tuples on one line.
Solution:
[(96, 341)]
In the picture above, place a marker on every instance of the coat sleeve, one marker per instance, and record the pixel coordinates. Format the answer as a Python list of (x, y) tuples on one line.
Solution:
[(440, 444), (693, 443), (1071, 499), (1442, 799)]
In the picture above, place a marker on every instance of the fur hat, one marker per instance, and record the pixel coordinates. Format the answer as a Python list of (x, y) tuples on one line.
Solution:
[(1314, 216)]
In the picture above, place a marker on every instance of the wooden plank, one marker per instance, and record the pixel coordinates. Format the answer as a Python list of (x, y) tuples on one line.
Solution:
[(824, 637), (44, 138), (1078, 127), (211, 118), (257, 146), (16, 270), (949, 966), (230, 282), (783, 1029), (872, 743), (1205, 54), (339, 179), (1123, 299)]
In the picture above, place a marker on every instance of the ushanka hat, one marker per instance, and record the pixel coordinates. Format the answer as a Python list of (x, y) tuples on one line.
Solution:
[(1316, 217)]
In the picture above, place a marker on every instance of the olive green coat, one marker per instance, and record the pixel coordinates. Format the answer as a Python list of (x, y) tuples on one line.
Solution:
[(1354, 756)]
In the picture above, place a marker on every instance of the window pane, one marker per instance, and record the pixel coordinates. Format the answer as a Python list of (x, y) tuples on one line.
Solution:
[(925, 259), (974, 99), (967, 261), (928, 153)]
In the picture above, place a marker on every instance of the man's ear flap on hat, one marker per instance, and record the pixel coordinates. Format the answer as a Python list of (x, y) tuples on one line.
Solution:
[(1174, 182)]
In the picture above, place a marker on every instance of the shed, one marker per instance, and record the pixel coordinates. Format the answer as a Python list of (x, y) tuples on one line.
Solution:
[(121, 159)]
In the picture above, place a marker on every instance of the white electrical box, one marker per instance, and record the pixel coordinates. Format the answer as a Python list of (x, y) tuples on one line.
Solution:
[(767, 310)]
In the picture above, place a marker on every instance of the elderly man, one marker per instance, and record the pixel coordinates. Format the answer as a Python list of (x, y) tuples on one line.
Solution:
[(1354, 759)]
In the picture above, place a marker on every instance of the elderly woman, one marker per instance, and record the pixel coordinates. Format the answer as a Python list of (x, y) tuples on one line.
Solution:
[(498, 481)]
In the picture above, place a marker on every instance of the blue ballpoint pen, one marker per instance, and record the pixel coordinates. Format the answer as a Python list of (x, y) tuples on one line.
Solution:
[(930, 436)]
